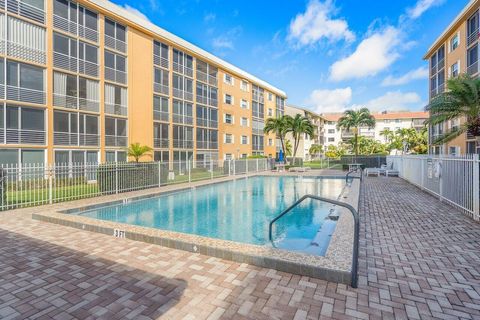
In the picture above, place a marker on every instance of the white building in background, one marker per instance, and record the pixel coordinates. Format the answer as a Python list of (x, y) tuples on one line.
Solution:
[(384, 120)]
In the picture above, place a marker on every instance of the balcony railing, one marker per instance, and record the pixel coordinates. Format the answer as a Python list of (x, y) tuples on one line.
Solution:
[(472, 69), (74, 28), (206, 78), (207, 123), (177, 93), (179, 68), (25, 95), (65, 62), (472, 37), (160, 61), (2, 91), (115, 75), (116, 109), (75, 139), (257, 147), (88, 68), (26, 53), (183, 144), (26, 10), (115, 44), (182, 119), (160, 116), (21, 136), (71, 102), (207, 145), (160, 88), (160, 143), (115, 141)]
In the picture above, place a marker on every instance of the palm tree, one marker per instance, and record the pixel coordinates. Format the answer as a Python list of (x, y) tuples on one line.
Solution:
[(298, 126), (353, 119), (388, 134), (137, 151), (315, 150), (279, 126), (288, 148), (461, 100)]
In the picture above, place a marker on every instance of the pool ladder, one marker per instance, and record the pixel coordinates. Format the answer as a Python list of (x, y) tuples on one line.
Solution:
[(354, 171), (354, 280)]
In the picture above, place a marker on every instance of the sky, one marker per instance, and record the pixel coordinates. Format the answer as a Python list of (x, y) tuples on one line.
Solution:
[(327, 55)]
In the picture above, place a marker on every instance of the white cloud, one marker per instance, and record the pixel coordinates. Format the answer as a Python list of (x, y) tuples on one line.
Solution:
[(324, 100), (316, 23), (226, 40), (373, 55), (135, 12), (396, 101), (421, 6), (209, 17), (417, 74)]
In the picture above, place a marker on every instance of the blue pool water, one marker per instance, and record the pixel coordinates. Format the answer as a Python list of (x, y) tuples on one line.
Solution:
[(239, 210)]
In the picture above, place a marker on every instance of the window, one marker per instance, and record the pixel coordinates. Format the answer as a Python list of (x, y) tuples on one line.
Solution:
[(331, 139), (115, 156), (115, 100), (454, 42), (71, 128), (270, 96), (115, 35), (270, 142), (160, 84), (454, 151), (161, 156), (22, 125), (115, 67), (454, 70), (160, 54), (270, 112), (160, 135), (244, 104), (228, 138), (244, 122), (244, 156), (228, 79), (31, 47), (397, 120), (228, 156), (228, 99), (387, 120), (115, 132), (182, 112), (244, 85), (331, 130), (244, 139), (160, 108), (27, 83), (228, 118)]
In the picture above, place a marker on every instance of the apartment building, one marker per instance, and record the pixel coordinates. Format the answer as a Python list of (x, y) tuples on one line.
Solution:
[(454, 52), (82, 80), (384, 121), (306, 142)]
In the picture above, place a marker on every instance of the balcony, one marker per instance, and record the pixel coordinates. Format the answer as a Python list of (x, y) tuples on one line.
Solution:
[(206, 78), (472, 69), (75, 139), (119, 45), (65, 62), (160, 88), (257, 147), (160, 61), (183, 144), (65, 101), (26, 10), (26, 53), (21, 136), (115, 141), (25, 95), (207, 145), (88, 68), (115, 75), (179, 68), (74, 28), (160, 143), (116, 109), (182, 119), (177, 93), (472, 37), (160, 116), (202, 122)]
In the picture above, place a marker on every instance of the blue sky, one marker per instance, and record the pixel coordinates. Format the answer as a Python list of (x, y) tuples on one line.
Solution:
[(327, 55)]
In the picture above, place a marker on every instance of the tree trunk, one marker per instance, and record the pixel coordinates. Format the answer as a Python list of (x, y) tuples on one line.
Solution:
[(296, 139), (282, 142), (356, 147)]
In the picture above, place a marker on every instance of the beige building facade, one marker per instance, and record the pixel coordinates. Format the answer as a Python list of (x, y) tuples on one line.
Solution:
[(83, 80)]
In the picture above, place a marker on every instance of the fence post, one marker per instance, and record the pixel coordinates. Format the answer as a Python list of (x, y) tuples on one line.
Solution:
[(211, 169), (189, 171), (116, 177), (440, 179), (246, 166), (233, 167), (257, 165), (476, 188), (159, 175), (50, 185), (423, 172)]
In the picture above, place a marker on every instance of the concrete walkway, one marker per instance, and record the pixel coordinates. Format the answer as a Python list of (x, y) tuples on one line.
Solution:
[(419, 258)]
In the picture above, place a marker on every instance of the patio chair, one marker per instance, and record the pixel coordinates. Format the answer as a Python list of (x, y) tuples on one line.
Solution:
[(390, 171), (372, 172)]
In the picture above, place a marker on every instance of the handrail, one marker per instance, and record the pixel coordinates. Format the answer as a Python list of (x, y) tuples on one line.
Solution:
[(354, 171), (355, 232)]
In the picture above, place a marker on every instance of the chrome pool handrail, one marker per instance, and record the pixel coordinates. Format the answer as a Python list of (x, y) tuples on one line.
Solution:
[(354, 280), (354, 171)]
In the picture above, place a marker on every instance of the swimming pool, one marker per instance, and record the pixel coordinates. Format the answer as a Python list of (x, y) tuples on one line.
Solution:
[(239, 210)]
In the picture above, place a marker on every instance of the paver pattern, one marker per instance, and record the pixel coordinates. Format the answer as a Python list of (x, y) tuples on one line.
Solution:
[(419, 259)]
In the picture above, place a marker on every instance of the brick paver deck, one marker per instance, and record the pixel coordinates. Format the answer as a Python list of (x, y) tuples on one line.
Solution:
[(418, 259)]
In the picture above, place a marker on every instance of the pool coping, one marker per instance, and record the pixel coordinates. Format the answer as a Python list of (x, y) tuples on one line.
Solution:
[(334, 266)]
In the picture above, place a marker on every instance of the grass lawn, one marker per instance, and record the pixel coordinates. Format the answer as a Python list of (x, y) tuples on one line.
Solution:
[(323, 164), (59, 194)]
